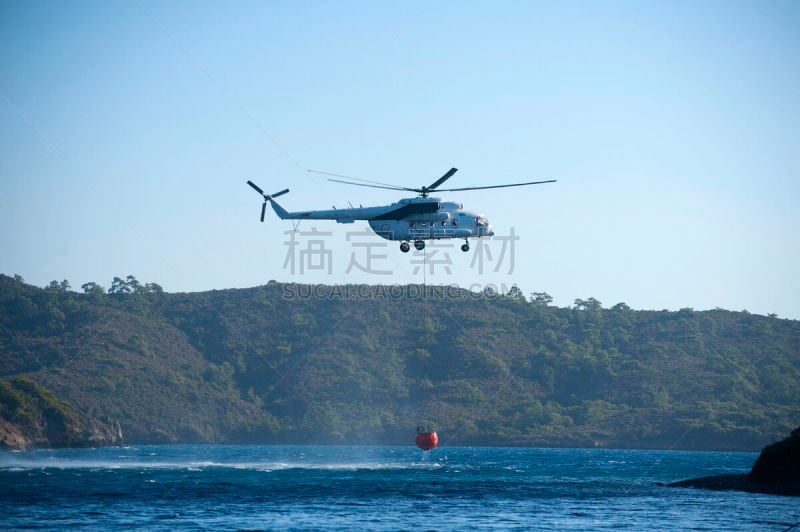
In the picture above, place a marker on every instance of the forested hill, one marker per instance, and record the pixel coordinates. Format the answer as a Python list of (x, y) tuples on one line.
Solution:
[(347, 364)]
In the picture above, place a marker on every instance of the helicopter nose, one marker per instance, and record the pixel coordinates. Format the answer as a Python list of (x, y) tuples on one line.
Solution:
[(490, 230)]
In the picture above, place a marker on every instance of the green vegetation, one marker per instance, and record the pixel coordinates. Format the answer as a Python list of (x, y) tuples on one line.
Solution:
[(295, 363), (30, 415)]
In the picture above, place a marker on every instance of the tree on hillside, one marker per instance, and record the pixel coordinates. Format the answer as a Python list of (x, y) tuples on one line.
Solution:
[(153, 288), (119, 287), (55, 286), (133, 284), (588, 304), (541, 299), (93, 289), (515, 293)]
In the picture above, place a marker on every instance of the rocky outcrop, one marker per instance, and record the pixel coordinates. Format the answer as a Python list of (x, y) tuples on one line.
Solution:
[(776, 471), (32, 417), (11, 437), (779, 462)]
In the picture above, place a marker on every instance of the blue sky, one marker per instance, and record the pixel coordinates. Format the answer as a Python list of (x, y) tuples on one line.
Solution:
[(127, 132)]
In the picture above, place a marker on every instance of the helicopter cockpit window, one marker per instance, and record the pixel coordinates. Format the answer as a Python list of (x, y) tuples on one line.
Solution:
[(481, 221)]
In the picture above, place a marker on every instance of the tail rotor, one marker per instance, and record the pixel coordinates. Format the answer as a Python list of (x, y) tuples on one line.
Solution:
[(266, 197)]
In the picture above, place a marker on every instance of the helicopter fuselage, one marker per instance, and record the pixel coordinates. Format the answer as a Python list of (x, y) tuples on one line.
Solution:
[(447, 220), (410, 219)]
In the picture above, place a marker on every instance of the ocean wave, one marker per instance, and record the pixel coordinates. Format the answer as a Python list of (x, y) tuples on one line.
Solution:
[(268, 466)]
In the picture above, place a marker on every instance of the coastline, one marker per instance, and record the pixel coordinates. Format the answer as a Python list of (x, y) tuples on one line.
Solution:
[(740, 482)]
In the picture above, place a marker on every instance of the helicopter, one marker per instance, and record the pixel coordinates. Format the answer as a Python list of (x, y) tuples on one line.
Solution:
[(407, 220)]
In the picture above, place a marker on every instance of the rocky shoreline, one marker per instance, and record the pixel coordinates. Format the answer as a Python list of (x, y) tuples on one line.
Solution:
[(741, 482), (776, 472), (31, 417)]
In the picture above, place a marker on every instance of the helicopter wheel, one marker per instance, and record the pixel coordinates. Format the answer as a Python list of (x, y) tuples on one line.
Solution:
[(465, 247), (404, 247), (419, 244)]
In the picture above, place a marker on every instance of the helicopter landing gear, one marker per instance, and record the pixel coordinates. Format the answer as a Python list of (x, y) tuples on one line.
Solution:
[(419, 245), (465, 246), (404, 247)]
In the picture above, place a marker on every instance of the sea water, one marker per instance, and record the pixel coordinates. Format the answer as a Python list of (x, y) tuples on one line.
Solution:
[(216, 487)]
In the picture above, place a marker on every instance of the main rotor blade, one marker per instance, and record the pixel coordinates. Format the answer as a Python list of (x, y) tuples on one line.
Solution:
[(356, 179), (442, 179), (263, 209), (389, 187), (496, 186), (255, 187)]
